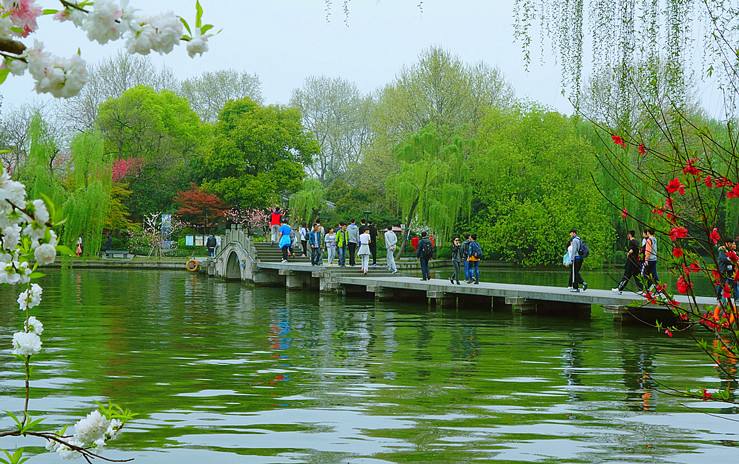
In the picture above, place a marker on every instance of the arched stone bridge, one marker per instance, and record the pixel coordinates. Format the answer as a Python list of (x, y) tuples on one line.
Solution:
[(235, 258)]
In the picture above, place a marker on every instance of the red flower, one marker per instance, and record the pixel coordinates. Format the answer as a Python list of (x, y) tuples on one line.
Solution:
[(642, 149), (683, 286), (690, 167), (650, 297), (618, 141), (671, 218), (723, 182), (675, 186), (668, 203), (716, 276), (678, 232), (683, 316), (624, 213), (708, 181), (668, 332), (707, 395), (727, 291), (660, 288), (733, 193), (658, 211), (677, 252), (694, 267), (715, 236), (732, 256)]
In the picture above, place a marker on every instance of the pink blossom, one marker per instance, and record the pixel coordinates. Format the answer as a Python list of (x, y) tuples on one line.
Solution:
[(23, 13)]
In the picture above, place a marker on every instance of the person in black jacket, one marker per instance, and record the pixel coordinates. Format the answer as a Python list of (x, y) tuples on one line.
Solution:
[(632, 267), (373, 244), (727, 268), (457, 260), (210, 244), (424, 252)]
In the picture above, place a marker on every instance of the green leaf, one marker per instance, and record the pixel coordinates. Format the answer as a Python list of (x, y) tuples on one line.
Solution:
[(198, 14), (4, 73), (187, 26), (37, 275), (64, 250), (49, 11), (15, 419), (206, 28)]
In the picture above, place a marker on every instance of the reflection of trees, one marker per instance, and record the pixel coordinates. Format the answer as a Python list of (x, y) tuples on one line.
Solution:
[(572, 360), (637, 360)]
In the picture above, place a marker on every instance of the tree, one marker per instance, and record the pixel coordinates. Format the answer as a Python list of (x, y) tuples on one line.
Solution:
[(110, 79), (199, 208), (431, 186), (15, 135), (338, 115), (306, 203), (209, 92), (257, 154)]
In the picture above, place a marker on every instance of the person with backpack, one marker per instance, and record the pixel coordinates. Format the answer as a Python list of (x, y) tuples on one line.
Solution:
[(474, 252), (632, 268), (727, 270), (578, 252), (465, 254), (649, 269), (210, 244), (457, 260), (424, 253), (285, 242)]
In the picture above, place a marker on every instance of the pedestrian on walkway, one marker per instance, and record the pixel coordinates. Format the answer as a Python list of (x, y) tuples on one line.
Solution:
[(284, 242), (373, 242), (632, 267), (330, 241), (649, 270), (274, 224), (474, 256), (210, 244), (728, 270), (391, 241), (303, 232), (457, 260), (314, 240), (342, 241), (353, 241), (364, 250), (424, 253), (466, 254), (576, 257)]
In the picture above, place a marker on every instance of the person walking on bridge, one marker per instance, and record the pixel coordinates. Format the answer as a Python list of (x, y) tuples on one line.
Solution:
[(274, 224), (576, 257), (330, 245), (465, 254), (364, 250), (424, 252), (285, 241), (390, 241), (474, 256), (314, 239), (372, 228), (632, 268), (457, 260), (342, 240), (649, 269), (353, 241)]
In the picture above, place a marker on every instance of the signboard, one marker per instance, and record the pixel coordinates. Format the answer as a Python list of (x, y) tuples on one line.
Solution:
[(189, 240), (199, 240)]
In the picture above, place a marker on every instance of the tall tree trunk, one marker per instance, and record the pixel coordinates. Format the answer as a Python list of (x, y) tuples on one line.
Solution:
[(408, 222)]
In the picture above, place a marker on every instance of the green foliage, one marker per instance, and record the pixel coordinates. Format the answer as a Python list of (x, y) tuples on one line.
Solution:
[(432, 186), (257, 155), (38, 171), (532, 180), (88, 203), (14, 458), (306, 203)]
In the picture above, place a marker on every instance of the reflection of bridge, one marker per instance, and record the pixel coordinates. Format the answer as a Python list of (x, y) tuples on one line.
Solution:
[(238, 259)]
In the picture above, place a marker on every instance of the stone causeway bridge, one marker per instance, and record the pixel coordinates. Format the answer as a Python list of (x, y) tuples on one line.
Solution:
[(240, 258)]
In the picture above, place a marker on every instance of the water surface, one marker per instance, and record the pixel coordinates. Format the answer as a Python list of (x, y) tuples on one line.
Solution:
[(226, 373)]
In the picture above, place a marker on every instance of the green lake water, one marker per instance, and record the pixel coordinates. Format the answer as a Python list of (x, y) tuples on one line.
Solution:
[(226, 373)]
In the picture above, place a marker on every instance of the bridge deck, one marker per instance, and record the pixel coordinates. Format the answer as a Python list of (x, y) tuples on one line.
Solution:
[(345, 276)]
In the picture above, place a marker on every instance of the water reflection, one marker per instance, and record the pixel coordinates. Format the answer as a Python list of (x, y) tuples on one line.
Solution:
[(227, 373)]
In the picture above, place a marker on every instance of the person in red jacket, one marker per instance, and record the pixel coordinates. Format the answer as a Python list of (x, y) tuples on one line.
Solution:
[(274, 224)]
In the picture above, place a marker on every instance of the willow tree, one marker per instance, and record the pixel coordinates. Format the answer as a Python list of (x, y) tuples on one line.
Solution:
[(88, 203), (431, 185), (38, 170), (306, 203)]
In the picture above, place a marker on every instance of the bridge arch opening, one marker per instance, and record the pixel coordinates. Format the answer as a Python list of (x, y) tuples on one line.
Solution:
[(233, 267)]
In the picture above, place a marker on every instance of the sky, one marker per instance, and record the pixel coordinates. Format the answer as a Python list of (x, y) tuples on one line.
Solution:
[(285, 41)]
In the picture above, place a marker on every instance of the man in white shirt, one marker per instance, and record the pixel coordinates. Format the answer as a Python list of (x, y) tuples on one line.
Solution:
[(390, 241)]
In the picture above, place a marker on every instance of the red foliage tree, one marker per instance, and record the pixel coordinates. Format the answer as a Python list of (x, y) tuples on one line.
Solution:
[(199, 208), (126, 167)]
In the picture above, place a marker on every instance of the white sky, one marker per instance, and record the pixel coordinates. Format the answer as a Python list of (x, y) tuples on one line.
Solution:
[(284, 41)]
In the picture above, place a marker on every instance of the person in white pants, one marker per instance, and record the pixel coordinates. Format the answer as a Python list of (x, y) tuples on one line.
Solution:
[(390, 241), (364, 251)]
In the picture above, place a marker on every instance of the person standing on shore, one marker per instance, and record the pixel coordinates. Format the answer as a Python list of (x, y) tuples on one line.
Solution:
[(474, 252), (391, 241), (314, 240), (457, 260), (210, 244), (576, 263), (274, 224), (373, 242), (342, 240), (353, 231), (364, 250), (330, 241), (424, 253), (285, 241), (303, 232), (632, 267)]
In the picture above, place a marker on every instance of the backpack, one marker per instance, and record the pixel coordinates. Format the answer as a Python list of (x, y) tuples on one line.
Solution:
[(427, 251), (475, 250), (584, 250)]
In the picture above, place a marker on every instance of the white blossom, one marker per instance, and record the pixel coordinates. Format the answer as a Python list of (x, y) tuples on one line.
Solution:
[(40, 212), (14, 272), (197, 45), (158, 33), (77, 17), (30, 298), (91, 429), (45, 254), (104, 21), (16, 67), (61, 77), (26, 343), (11, 191), (5, 25), (11, 236), (33, 325), (64, 451)]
